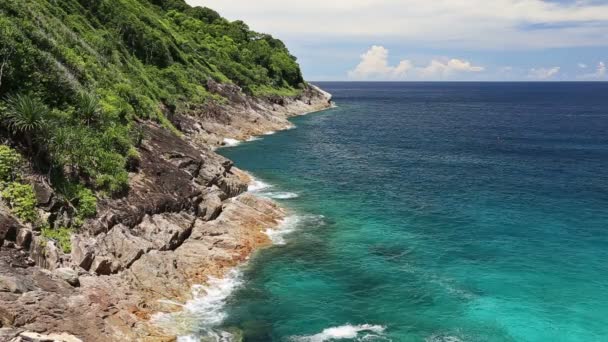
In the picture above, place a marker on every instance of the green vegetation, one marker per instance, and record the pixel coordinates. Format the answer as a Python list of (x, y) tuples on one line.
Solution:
[(61, 236), (22, 200), (77, 75), (17, 194), (10, 164)]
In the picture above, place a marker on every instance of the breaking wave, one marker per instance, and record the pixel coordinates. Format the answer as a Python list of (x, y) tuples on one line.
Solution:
[(357, 332)]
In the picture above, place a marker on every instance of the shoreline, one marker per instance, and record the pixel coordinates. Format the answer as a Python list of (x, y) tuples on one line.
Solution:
[(187, 221), (211, 295)]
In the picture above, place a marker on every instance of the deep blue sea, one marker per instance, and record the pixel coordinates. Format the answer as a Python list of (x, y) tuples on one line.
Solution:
[(434, 212)]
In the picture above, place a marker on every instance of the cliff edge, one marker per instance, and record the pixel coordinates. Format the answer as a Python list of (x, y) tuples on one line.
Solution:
[(187, 216), (113, 203)]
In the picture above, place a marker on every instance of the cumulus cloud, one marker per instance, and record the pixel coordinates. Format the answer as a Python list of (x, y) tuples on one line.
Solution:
[(543, 73), (472, 23), (600, 73), (374, 65)]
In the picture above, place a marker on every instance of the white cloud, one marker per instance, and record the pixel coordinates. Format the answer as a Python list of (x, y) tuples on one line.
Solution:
[(543, 73), (375, 65), (601, 70), (582, 65), (496, 24), (601, 73)]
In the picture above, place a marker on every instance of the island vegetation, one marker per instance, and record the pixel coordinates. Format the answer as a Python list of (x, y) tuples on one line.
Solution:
[(77, 76)]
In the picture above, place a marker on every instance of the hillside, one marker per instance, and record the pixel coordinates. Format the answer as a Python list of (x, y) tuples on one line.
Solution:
[(110, 111)]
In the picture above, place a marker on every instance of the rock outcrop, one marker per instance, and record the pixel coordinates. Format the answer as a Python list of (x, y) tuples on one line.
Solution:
[(187, 216)]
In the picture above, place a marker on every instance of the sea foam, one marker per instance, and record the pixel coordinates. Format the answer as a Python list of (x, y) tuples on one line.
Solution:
[(258, 186), (290, 224), (228, 142), (343, 332), (201, 315), (280, 195)]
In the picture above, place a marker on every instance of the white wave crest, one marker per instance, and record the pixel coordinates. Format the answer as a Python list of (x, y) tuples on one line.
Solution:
[(290, 224), (270, 133), (257, 186), (253, 139), (442, 338), (204, 312), (228, 142), (343, 332), (280, 195)]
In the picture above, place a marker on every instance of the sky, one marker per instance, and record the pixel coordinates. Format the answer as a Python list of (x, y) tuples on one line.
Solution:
[(435, 40)]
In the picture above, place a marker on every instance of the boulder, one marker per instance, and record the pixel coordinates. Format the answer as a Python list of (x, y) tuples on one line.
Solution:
[(12, 285), (24, 238), (82, 251), (118, 250), (44, 194), (69, 275), (211, 207), (45, 253), (9, 226)]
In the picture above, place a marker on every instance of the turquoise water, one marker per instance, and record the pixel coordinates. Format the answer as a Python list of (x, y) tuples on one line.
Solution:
[(435, 212)]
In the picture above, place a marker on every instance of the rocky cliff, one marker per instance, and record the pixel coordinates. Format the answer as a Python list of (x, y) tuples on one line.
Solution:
[(187, 216)]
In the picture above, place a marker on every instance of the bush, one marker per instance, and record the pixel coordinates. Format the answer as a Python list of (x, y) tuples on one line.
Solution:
[(22, 200), (62, 236), (10, 162), (86, 203)]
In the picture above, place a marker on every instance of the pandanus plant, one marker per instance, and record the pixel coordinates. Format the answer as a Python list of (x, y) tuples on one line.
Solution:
[(88, 108), (25, 116)]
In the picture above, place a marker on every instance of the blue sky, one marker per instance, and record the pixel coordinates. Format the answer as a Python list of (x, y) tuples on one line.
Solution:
[(412, 40)]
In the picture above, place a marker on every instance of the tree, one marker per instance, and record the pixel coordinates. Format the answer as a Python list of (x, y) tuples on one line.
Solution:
[(7, 50)]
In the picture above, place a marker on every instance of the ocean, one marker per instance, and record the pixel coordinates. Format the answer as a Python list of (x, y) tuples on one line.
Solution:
[(431, 212)]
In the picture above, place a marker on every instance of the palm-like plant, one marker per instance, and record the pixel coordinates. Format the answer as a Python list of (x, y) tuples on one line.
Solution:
[(88, 108), (25, 116)]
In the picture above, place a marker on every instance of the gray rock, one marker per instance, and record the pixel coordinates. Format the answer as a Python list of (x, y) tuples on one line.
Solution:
[(24, 238), (166, 231), (45, 253), (12, 284), (82, 251), (29, 336), (9, 225), (211, 207), (118, 250), (69, 275), (44, 193)]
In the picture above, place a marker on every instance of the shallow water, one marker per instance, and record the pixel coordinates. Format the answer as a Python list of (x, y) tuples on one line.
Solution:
[(433, 212)]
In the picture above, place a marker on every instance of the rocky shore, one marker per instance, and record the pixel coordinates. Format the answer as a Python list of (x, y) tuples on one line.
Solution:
[(187, 216)]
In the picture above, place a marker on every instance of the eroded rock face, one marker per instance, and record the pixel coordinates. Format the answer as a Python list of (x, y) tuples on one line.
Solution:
[(186, 217)]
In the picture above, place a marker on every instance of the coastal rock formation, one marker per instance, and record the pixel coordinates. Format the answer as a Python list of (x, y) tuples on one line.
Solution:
[(186, 217)]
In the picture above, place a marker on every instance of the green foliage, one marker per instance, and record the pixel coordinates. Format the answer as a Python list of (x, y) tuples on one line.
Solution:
[(10, 163), (62, 236), (22, 200), (92, 68), (86, 203), (88, 110), (25, 114)]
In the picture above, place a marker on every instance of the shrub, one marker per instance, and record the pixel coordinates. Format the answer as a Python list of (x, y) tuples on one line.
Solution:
[(10, 162), (86, 203), (22, 200), (25, 114), (62, 236)]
